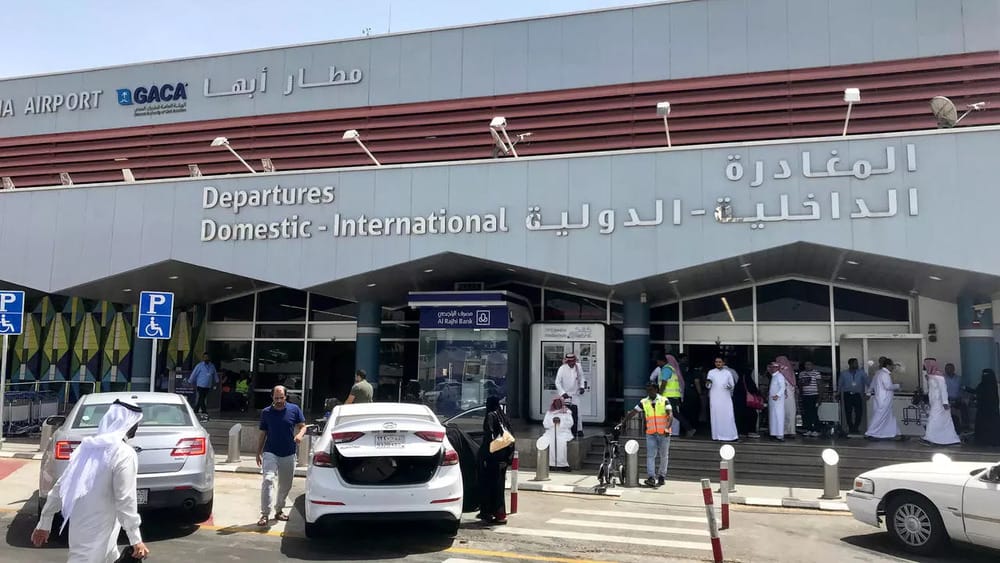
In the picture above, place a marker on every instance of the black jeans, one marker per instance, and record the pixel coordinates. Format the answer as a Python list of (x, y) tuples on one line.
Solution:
[(678, 412), (852, 411), (575, 411), (202, 398), (810, 413)]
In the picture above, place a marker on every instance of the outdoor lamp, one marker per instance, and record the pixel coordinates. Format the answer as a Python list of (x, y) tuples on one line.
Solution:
[(851, 96), (352, 134), (224, 142), (663, 108)]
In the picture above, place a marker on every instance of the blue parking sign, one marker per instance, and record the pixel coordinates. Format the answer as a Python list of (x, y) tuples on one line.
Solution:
[(11, 312), (156, 314)]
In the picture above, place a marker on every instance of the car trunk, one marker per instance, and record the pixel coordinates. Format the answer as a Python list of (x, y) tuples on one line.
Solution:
[(388, 454), (388, 470), (154, 448)]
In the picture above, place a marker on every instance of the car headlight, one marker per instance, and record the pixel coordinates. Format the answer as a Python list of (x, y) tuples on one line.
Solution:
[(863, 485)]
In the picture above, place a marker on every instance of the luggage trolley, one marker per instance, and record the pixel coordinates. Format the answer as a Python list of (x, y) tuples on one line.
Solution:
[(24, 411)]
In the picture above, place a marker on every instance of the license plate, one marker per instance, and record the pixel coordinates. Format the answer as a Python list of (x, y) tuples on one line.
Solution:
[(389, 441), (142, 496)]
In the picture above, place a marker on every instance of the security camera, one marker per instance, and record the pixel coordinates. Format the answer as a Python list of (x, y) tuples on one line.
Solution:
[(980, 307)]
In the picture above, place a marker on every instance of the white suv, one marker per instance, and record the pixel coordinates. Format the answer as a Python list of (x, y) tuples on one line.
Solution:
[(383, 461)]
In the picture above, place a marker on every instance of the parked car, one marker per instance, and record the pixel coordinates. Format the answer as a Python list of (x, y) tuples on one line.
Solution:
[(176, 459), (925, 504), (390, 461)]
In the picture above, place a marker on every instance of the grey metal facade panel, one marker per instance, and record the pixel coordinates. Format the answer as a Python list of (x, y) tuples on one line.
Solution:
[(646, 43), (51, 238)]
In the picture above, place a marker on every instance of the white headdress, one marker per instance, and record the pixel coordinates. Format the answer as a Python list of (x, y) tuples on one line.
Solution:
[(94, 454)]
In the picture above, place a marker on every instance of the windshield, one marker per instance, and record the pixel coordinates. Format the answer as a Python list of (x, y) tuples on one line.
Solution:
[(344, 419), (153, 414)]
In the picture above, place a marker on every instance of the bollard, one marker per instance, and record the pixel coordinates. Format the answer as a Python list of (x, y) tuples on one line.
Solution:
[(303, 451), (727, 453), (542, 459), (724, 489), (713, 529), (631, 463), (513, 483), (47, 430), (831, 477), (732, 475), (234, 444)]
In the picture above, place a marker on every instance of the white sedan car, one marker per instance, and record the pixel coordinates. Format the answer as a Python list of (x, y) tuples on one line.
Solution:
[(389, 461), (925, 504)]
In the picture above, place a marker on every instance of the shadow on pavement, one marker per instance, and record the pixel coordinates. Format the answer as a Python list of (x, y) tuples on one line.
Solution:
[(882, 544), (361, 541)]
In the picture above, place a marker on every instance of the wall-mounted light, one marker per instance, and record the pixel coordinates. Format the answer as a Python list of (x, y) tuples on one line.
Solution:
[(267, 164), (663, 108), (500, 123), (8, 183), (352, 134), (194, 171), (851, 96), (224, 142), (65, 179), (128, 175)]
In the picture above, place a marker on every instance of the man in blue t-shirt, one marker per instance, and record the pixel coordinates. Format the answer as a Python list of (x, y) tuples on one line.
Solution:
[(281, 429)]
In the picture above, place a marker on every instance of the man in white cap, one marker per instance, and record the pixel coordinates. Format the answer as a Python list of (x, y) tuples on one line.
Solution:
[(570, 382), (97, 494)]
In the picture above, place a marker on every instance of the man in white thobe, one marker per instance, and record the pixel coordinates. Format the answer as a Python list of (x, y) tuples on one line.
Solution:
[(97, 492), (940, 429), (882, 424), (777, 393), (720, 402), (558, 424), (569, 383)]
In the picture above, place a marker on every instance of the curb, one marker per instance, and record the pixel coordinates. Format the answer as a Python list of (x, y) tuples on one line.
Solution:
[(821, 505), (21, 455), (540, 487)]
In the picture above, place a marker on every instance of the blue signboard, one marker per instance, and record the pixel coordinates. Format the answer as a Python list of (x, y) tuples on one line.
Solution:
[(11, 312), (487, 317), (156, 314)]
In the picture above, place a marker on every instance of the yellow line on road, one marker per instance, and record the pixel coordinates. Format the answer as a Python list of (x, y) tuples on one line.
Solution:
[(248, 529), (509, 555)]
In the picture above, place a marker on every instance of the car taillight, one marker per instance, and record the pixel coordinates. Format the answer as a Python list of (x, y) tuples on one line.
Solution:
[(345, 437), (322, 459), (430, 436), (189, 447), (64, 449), (450, 458)]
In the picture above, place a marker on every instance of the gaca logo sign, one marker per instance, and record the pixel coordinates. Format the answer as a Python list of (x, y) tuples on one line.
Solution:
[(155, 99)]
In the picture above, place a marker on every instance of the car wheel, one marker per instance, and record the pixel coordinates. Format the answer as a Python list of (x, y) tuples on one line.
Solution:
[(313, 530), (915, 524), (202, 512)]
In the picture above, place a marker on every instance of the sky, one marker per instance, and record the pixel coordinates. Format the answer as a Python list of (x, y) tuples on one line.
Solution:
[(45, 36)]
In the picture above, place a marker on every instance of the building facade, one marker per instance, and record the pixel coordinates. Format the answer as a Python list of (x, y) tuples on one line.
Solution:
[(452, 269)]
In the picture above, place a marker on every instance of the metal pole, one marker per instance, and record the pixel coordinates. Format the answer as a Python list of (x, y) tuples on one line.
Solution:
[(713, 528), (724, 489), (831, 482), (3, 386), (848, 118), (250, 168), (732, 475), (632, 469), (152, 369), (233, 455), (666, 126), (542, 464)]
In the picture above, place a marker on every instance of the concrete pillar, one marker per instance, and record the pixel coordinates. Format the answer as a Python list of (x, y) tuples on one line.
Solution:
[(369, 339), (635, 327), (975, 338)]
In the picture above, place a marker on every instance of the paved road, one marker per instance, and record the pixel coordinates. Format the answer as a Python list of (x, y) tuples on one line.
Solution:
[(550, 527)]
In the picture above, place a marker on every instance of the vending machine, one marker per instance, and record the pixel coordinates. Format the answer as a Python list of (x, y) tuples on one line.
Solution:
[(550, 342)]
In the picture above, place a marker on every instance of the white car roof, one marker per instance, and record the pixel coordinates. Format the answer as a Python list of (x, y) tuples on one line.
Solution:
[(139, 397)]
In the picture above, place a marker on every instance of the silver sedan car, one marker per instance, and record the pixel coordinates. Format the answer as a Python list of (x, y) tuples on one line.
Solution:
[(176, 459)]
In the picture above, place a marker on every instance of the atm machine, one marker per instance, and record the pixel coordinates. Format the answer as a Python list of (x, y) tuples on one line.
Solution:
[(550, 342)]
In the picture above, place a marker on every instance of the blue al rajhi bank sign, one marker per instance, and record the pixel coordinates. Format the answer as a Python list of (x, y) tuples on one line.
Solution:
[(492, 317)]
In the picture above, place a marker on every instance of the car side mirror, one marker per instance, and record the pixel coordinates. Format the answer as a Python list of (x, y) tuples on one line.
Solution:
[(993, 474), (55, 420), (313, 430)]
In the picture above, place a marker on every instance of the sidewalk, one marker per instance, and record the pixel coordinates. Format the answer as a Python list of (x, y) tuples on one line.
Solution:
[(575, 483)]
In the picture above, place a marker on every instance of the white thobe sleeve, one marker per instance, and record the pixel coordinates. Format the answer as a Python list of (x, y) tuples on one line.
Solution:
[(559, 381), (123, 480), (53, 504), (581, 382), (547, 422)]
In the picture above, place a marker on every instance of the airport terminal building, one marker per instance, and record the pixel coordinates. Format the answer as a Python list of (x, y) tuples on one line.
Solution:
[(463, 257)]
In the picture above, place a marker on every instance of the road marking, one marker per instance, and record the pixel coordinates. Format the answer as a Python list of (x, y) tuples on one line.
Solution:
[(519, 556), (248, 529), (9, 466), (633, 527), (559, 534), (636, 516)]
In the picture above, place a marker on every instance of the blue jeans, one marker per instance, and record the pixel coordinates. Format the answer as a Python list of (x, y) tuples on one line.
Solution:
[(657, 444)]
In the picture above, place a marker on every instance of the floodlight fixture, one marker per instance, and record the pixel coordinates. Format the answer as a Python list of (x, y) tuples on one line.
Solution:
[(851, 96), (128, 175), (194, 171), (65, 179), (946, 114), (224, 142), (500, 122), (8, 183), (353, 134), (663, 108), (267, 164)]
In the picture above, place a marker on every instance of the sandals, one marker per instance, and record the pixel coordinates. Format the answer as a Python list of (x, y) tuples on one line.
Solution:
[(262, 522), (281, 517)]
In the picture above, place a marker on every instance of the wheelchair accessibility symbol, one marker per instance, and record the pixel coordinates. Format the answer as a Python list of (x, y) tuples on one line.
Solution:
[(153, 330), (482, 318), (6, 327)]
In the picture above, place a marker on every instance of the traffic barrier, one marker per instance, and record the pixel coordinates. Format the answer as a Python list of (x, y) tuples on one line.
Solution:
[(513, 483), (631, 463), (233, 451), (713, 528), (831, 474), (724, 489), (542, 459)]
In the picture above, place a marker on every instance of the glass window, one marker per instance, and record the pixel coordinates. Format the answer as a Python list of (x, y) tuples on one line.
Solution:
[(531, 293), (280, 331), (401, 314), (153, 414), (458, 370), (232, 360), (277, 363), (331, 309), (859, 306), (565, 307), (238, 309), (398, 364), (281, 304), (793, 300), (733, 306), (669, 332), (400, 330), (669, 313)]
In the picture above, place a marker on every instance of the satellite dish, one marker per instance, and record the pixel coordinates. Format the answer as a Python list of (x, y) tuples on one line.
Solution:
[(945, 112)]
